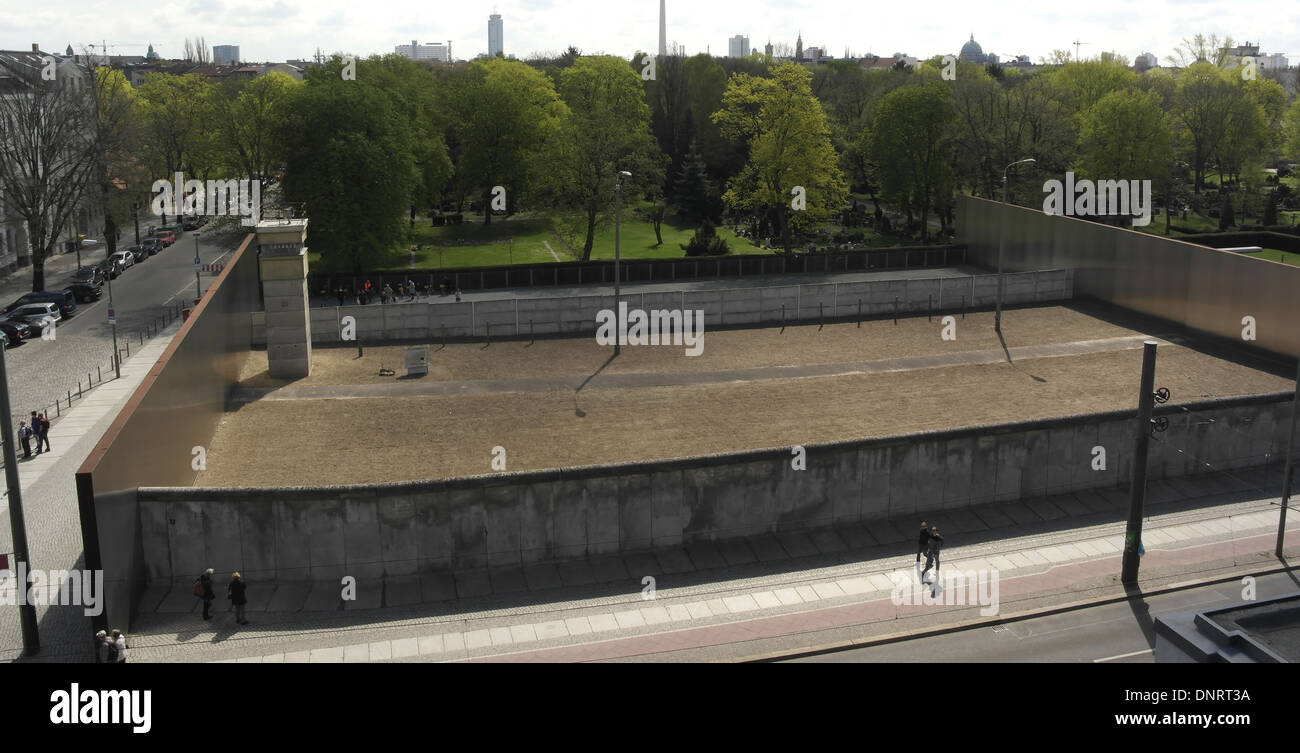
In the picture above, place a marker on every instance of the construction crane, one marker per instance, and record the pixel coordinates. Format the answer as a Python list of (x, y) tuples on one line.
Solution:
[(104, 47), (1077, 45)]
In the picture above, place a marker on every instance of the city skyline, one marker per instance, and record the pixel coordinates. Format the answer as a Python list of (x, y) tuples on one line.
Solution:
[(292, 29)]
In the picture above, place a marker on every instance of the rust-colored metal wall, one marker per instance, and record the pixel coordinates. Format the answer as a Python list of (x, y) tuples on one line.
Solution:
[(1202, 288)]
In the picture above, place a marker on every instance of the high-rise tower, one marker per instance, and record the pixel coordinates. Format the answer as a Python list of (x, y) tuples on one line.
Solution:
[(496, 36), (798, 48), (663, 27)]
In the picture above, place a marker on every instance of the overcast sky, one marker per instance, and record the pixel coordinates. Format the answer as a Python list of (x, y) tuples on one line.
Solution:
[(282, 29)]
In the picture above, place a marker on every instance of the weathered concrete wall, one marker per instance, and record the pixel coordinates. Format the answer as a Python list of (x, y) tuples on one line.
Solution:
[(523, 518), (732, 307)]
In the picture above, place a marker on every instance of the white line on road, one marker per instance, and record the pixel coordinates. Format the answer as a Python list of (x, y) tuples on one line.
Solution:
[(1123, 656)]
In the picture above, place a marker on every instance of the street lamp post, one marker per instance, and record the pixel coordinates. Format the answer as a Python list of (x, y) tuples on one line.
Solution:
[(17, 523), (135, 214), (618, 209), (1002, 241), (198, 286)]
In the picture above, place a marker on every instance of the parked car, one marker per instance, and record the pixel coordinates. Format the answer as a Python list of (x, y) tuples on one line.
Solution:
[(176, 228), (192, 223), (125, 260), (86, 293), (89, 276), (137, 253), (151, 245), (64, 300), (165, 237), (88, 243), (39, 315), (15, 331), (109, 268)]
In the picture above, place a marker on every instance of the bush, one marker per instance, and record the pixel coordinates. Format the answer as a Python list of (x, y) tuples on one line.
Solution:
[(706, 242)]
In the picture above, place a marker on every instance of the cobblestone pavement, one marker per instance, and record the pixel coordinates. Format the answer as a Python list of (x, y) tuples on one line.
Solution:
[(52, 516)]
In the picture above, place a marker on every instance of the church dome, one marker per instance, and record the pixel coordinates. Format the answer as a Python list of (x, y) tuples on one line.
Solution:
[(972, 49)]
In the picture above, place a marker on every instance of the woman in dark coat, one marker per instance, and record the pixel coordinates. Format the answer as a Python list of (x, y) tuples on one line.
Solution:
[(235, 592)]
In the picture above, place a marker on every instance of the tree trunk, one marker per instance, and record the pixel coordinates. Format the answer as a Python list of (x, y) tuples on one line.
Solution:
[(591, 235), (659, 220), (785, 228), (487, 208), (40, 250)]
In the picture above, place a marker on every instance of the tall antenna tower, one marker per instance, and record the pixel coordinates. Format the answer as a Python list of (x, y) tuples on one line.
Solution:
[(663, 28)]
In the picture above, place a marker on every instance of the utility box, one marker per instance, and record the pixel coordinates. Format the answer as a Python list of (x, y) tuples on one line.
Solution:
[(417, 361)]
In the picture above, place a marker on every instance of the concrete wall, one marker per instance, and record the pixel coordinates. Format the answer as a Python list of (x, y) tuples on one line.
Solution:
[(1204, 289), (733, 307), (175, 409), (523, 518)]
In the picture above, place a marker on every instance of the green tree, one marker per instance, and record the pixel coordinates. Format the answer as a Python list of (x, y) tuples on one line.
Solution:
[(911, 143), (1125, 136), (349, 157), (247, 116), (793, 170), (696, 196), (1203, 103), (1291, 132), (505, 112), (608, 131), (179, 123)]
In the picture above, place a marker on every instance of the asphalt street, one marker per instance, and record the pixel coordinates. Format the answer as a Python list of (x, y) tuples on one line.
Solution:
[(1122, 632)]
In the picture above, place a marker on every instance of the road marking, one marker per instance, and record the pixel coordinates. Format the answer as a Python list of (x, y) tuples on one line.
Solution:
[(1123, 656)]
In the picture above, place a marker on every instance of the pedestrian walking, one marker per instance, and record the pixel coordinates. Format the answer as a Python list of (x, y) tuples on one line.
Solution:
[(101, 647), (235, 592), (119, 644), (25, 439), (203, 590), (922, 541), (388, 293), (35, 424), (410, 288), (45, 432), (932, 553)]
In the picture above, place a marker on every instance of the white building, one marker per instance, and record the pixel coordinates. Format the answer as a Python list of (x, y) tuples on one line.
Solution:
[(738, 46), (496, 36), (225, 54), (429, 51), (1274, 62)]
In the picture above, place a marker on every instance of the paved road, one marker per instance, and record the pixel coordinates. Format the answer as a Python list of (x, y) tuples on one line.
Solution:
[(41, 371), (1112, 633)]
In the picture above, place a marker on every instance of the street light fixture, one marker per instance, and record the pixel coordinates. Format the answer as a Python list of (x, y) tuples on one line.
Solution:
[(1002, 240), (618, 209), (198, 286)]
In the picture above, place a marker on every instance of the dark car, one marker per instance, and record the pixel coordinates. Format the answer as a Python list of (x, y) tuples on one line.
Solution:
[(138, 252), (89, 276), (109, 268), (151, 245), (64, 299), (15, 331), (86, 293), (191, 223)]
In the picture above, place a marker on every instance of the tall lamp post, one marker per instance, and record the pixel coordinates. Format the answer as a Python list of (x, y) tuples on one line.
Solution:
[(198, 286), (17, 523), (135, 214), (1002, 240), (618, 209)]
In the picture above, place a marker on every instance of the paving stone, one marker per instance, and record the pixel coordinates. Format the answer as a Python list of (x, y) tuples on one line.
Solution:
[(522, 633), (766, 599), (476, 639), (736, 552), (629, 618), (674, 561), (1021, 514), (508, 580), (472, 583), (542, 577), (767, 548), (992, 517), (578, 625), (356, 653), (705, 556), (655, 615), (742, 603), (576, 573), (602, 623), (436, 587), (401, 590), (452, 642), (788, 596), (679, 612), (827, 541), (1071, 505), (327, 655), (406, 647), (828, 590), (1046, 508), (641, 564), (855, 586), (551, 629), (501, 636), (857, 537), (698, 610), (609, 569), (885, 533), (797, 544), (381, 651)]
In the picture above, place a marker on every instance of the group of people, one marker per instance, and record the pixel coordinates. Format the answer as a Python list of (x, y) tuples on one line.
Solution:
[(930, 542), (38, 429), (236, 592), (110, 649), (368, 292)]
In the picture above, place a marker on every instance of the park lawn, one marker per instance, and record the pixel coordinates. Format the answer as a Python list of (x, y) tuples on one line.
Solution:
[(1273, 254), (637, 241)]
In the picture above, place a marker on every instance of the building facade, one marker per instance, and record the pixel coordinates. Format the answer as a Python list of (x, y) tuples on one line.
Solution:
[(428, 51), (496, 36), (225, 54), (738, 46)]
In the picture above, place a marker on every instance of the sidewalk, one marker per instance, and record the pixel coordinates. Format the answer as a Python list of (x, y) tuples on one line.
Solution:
[(48, 484), (740, 598)]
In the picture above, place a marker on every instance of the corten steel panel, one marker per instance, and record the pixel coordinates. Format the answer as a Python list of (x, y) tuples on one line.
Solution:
[(175, 409), (1202, 288)]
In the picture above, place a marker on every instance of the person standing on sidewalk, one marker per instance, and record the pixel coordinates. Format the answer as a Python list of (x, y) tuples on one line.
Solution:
[(119, 643), (44, 435), (101, 647), (204, 591), (922, 542), (36, 430), (932, 553), (25, 439), (235, 592)]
